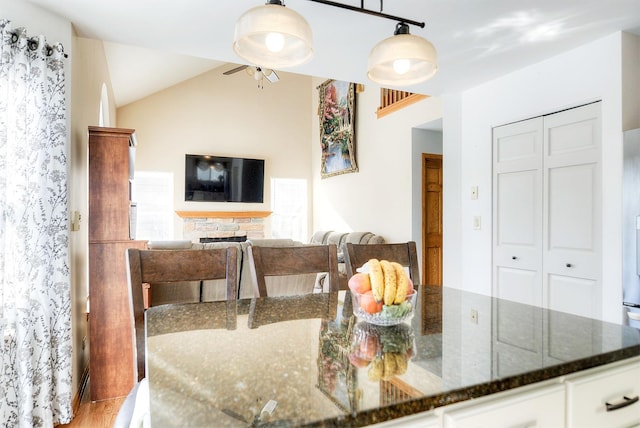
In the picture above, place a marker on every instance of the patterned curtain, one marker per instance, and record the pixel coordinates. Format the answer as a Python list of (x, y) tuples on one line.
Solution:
[(35, 300)]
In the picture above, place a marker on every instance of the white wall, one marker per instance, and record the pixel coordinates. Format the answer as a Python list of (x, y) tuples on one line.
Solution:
[(567, 80), (212, 114), (378, 198)]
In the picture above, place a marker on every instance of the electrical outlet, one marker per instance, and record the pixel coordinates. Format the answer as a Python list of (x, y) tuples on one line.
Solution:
[(474, 316), (75, 222)]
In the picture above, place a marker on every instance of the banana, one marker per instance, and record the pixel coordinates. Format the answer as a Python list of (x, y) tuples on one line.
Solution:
[(377, 279), (402, 283), (376, 369), (389, 282), (401, 363), (390, 366)]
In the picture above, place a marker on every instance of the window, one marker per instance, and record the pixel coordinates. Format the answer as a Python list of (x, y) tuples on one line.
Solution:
[(289, 208), (103, 118), (153, 193)]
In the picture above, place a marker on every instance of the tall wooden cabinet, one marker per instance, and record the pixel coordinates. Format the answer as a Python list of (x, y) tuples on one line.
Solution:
[(111, 348)]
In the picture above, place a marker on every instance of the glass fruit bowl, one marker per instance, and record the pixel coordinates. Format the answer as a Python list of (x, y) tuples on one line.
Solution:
[(367, 309), (384, 351)]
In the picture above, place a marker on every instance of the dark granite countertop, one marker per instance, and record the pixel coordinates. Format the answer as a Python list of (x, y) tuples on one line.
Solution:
[(219, 364)]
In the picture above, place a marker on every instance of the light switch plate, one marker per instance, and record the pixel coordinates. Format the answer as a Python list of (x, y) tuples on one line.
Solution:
[(477, 222)]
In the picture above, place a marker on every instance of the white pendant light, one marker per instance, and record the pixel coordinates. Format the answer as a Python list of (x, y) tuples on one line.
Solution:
[(402, 59), (273, 36)]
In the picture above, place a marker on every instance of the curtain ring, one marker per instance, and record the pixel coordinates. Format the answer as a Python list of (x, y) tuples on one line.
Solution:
[(33, 44)]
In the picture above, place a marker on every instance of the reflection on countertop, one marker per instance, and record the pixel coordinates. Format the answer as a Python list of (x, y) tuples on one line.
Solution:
[(324, 367)]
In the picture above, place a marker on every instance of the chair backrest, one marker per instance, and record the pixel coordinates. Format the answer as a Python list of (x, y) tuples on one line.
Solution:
[(269, 310), (287, 261), (149, 266), (405, 253)]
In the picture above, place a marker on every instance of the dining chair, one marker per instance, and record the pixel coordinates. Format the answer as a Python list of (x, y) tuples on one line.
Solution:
[(405, 253), (150, 266), (293, 270), (269, 310)]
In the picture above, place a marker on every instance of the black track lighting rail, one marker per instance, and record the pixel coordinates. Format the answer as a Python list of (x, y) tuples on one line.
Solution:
[(361, 9)]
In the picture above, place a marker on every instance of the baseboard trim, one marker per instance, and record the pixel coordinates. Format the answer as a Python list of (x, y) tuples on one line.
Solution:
[(84, 382)]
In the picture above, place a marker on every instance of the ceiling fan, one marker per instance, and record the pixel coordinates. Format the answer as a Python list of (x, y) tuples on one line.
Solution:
[(258, 73)]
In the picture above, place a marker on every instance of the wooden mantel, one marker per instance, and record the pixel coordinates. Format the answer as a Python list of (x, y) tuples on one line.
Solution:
[(223, 214)]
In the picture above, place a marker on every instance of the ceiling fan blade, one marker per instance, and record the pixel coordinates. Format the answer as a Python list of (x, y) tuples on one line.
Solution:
[(270, 75), (235, 70)]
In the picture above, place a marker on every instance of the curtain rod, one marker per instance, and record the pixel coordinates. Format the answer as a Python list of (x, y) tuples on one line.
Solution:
[(34, 42), (369, 12)]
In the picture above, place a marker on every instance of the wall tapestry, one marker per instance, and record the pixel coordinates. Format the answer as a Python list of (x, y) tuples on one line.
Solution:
[(337, 127)]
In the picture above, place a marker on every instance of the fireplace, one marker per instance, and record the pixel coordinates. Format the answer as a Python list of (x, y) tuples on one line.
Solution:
[(219, 226), (240, 238)]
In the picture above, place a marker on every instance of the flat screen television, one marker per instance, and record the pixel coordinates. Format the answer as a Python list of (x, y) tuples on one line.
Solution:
[(223, 179)]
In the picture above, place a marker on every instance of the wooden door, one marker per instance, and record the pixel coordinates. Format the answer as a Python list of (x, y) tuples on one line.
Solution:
[(432, 219), (572, 206), (108, 184), (517, 211)]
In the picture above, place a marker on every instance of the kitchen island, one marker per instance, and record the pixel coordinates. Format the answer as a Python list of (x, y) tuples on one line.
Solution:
[(278, 362)]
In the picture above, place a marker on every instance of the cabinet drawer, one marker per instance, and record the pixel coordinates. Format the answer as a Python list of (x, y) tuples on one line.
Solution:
[(420, 420), (588, 395), (542, 407)]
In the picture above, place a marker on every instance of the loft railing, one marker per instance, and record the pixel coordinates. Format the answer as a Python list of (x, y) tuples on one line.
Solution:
[(393, 100)]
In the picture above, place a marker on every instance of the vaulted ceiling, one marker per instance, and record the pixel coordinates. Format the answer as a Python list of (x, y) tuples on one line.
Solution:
[(156, 43)]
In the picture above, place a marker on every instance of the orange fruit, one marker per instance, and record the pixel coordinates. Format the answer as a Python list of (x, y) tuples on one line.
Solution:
[(368, 303)]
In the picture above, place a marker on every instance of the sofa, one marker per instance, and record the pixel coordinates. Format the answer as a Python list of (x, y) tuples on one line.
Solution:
[(341, 238), (190, 292)]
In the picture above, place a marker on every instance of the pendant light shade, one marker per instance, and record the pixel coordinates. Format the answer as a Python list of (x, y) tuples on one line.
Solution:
[(402, 59), (273, 36)]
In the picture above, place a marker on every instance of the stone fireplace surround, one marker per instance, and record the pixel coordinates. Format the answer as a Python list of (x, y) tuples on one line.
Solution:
[(223, 224)]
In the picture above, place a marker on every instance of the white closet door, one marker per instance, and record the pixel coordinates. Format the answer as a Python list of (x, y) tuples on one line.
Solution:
[(572, 215), (517, 218)]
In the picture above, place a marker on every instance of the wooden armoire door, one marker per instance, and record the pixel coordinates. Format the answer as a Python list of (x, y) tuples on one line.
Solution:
[(111, 356)]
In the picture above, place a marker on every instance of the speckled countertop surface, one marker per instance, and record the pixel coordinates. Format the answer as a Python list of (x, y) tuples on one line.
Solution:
[(323, 367)]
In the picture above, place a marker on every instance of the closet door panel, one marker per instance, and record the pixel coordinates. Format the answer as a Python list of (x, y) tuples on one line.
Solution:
[(572, 220), (573, 295), (517, 222), (547, 225)]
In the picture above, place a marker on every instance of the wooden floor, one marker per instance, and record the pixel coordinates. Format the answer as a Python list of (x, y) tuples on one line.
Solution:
[(101, 414)]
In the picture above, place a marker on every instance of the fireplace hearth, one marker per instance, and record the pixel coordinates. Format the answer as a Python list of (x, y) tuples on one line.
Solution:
[(241, 238)]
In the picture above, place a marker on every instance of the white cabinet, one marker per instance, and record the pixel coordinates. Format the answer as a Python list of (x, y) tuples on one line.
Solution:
[(540, 407), (420, 420), (579, 400), (605, 398), (546, 204)]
